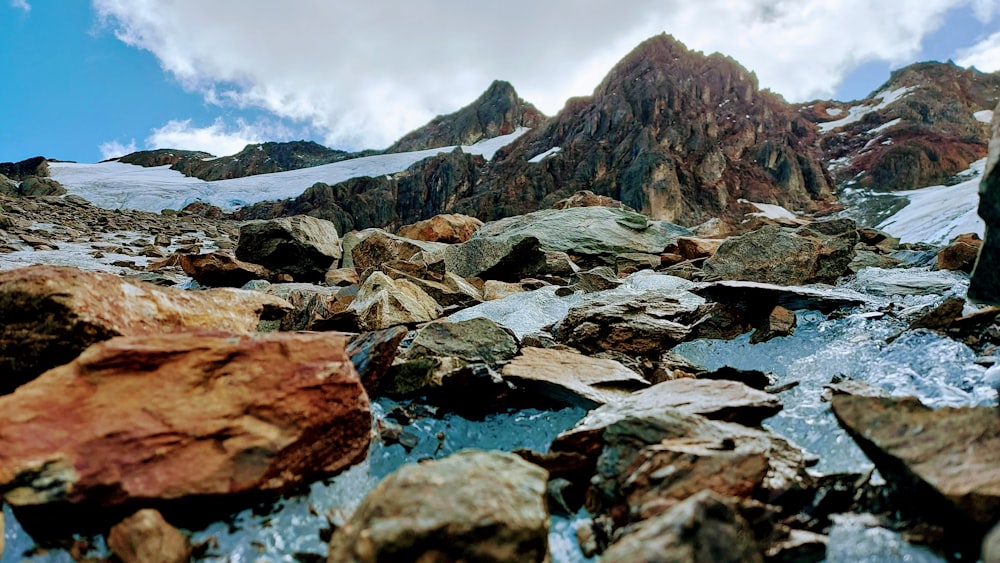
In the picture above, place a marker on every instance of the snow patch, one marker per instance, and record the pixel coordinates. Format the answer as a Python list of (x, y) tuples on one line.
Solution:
[(884, 126), (834, 111), (770, 211), (937, 214), (538, 158), (985, 116), (114, 185), (855, 113)]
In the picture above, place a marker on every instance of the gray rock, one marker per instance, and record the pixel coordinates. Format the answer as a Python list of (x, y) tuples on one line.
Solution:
[(985, 284), (383, 302), (302, 246), (991, 546), (36, 186), (471, 506), (818, 252), (571, 377), (705, 528), (312, 305), (379, 247)]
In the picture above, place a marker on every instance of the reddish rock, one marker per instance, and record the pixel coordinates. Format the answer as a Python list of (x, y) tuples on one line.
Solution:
[(587, 198), (189, 423), (779, 322), (571, 377), (691, 248), (145, 537), (51, 314), (961, 254), (218, 269), (448, 228)]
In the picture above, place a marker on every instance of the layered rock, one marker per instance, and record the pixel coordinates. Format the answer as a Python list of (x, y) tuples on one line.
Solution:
[(51, 314), (572, 378), (189, 423), (219, 269), (498, 111), (448, 228), (383, 302), (471, 506)]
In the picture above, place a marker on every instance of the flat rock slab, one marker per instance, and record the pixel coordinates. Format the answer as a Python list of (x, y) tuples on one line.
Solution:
[(52, 313), (571, 377), (949, 458), (187, 423), (718, 399), (765, 295), (470, 506)]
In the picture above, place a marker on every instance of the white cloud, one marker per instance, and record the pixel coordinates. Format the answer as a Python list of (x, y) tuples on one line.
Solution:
[(21, 5), (984, 55), (364, 73), (217, 138), (114, 149)]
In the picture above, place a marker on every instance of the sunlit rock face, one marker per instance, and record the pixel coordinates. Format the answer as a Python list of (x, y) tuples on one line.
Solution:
[(985, 285)]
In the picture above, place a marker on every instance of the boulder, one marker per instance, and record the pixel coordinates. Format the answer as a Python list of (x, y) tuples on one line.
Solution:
[(450, 354), (984, 287), (451, 291), (595, 232), (193, 424), (493, 289), (302, 246), (447, 228), (779, 322), (587, 198), (960, 255), (53, 313), (470, 506), (945, 462), (383, 302), (372, 354), (219, 269), (145, 537), (498, 258), (692, 248), (816, 253), (643, 324), (341, 277), (705, 528), (35, 186), (379, 247), (313, 306), (761, 298), (572, 378)]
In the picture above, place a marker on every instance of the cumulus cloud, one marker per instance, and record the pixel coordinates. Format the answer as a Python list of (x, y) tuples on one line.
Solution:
[(115, 149), (984, 55), (365, 73), (218, 138), (21, 5)]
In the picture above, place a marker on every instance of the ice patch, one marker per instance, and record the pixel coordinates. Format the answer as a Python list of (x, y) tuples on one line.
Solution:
[(884, 126), (538, 158), (113, 185), (856, 113), (770, 211), (834, 111), (985, 116)]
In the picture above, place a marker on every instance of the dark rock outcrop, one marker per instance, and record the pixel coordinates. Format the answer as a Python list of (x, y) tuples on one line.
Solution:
[(262, 158), (301, 246), (498, 111), (35, 166), (984, 286), (162, 157)]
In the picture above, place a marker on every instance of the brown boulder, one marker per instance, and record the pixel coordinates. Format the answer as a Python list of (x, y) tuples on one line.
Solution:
[(571, 377), (218, 269), (961, 254), (944, 462), (53, 313), (447, 228), (189, 423), (145, 537), (587, 198), (379, 247)]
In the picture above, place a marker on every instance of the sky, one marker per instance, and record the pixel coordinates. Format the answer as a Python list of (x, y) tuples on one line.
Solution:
[(92, 80)]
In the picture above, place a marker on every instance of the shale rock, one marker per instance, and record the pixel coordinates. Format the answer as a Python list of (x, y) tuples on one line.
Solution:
[(383, 302), (218, 269), (52, 313), (816, 253), (451, 354), (961, 254), (379, 247), (470, 506), (301, 246), (189, 423), (372, 354), (449, 228), (572, 378), (145, 537), (313, 306), (948, 458), (500, 258), (705, 528)]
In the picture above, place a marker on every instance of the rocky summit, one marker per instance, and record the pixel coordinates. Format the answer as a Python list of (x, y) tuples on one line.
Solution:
[(643, 329)]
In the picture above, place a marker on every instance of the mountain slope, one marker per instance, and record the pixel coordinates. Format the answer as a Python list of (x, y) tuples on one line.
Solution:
[(674, 133), (498, 111), (926, 124)]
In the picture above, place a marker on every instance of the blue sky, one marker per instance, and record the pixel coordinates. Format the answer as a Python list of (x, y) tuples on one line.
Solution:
[(119, 75)]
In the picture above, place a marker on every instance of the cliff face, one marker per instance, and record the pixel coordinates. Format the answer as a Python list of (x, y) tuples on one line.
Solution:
[(673, 133), (923, 126), (498, 111)]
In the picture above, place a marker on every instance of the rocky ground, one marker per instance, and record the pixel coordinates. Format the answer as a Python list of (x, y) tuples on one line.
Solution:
[(655, 388)]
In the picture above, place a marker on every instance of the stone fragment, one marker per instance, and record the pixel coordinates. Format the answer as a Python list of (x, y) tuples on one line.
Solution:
[(572, 378), (341, 277), (493, 289), (379, 247), (52, 313), (372, 354), (470, 506), (312, 305), (302, 246), (447, 228), (383, 302), (587, 198), (818, 252), (960, 255), (218, 269), (945, 462), (145, 537), (691, 248), (779, 322), (192, 423), (705, 528)]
